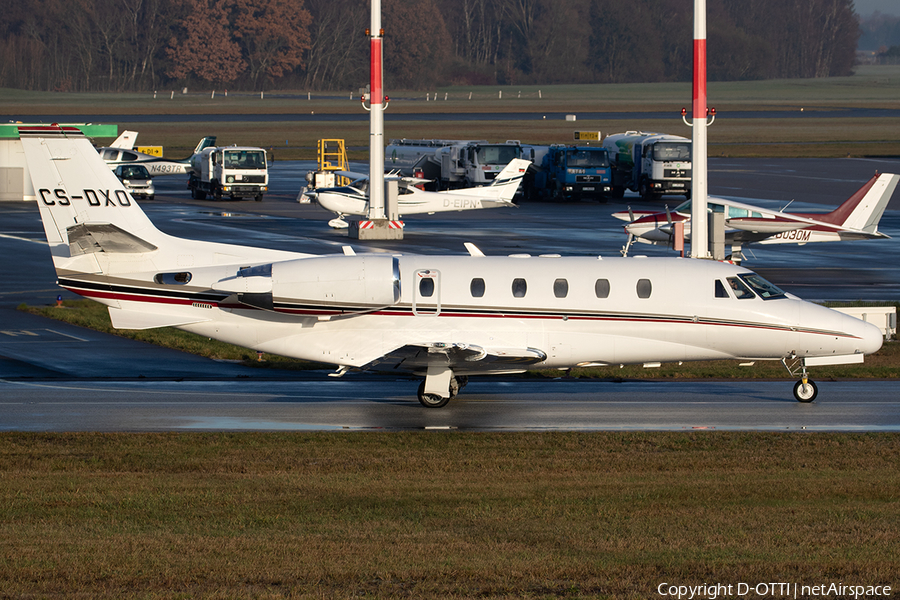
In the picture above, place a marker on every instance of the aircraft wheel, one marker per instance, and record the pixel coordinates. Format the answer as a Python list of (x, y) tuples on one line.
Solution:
[(431, 400), (805, 392)]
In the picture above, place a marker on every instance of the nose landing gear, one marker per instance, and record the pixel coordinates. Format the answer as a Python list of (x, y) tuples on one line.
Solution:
[(806, 389)]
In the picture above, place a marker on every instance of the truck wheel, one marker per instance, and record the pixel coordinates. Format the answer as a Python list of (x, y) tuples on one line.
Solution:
[(258, 197), (618, 192), (645, 191)]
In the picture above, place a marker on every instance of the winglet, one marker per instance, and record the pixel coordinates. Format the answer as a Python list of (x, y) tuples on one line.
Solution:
[(473, 249)]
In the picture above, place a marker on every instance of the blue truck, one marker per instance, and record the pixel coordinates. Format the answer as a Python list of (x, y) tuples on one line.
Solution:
[(563, 172)]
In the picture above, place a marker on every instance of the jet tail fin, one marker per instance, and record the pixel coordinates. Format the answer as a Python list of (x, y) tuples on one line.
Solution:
[(504, 185), (205, 143), (863, 210), (126, 140), (84, 207)]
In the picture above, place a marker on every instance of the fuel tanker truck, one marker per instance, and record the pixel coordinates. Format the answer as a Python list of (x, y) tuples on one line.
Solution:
[(651, 164)]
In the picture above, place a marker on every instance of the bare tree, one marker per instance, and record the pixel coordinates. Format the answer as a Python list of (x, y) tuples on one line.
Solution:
[(274, 35), (335, 58)]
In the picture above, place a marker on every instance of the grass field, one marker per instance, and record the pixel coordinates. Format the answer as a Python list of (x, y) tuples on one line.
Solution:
[(872, 87), (431, 515)]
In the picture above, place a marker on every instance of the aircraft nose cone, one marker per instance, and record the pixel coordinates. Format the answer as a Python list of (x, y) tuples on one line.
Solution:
[(872, 337)]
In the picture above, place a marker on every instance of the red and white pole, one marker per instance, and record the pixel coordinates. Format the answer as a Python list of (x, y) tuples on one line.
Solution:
[(699, 231), (376, 116)]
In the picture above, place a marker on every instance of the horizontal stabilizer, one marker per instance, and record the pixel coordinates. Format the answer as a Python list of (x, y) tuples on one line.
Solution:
[(85, 238), (139, 319)]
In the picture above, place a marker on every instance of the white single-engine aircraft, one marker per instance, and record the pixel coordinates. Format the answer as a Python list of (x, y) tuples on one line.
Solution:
[(856, 219), (353, 199), (114, 156), (441, 317)]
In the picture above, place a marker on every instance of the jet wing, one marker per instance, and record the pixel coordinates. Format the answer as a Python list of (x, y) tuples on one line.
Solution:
[(352, 175), (460, 357)]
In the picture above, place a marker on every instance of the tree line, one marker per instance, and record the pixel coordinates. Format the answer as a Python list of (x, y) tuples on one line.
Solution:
[(140, 45)]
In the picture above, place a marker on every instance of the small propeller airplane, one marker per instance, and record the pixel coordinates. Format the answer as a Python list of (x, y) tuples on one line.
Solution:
[(115, 156), (444, 318), (353, 199), (856, 219)]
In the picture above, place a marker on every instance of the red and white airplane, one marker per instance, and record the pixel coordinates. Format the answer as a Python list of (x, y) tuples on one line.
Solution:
[(855, 219), (443, 318)]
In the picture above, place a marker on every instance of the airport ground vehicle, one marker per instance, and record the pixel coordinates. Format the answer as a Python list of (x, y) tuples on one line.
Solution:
[(331, 156), (651, 164), (137, 180), (233, 171), (451, 163), (571, 173)]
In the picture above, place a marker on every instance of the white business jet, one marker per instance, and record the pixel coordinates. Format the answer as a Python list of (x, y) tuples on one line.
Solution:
[(441, 317), (114, 156), (353, 199)]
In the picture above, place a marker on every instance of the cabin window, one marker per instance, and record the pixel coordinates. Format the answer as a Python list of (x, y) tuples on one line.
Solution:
[(519, 288), (173, 278), (426, 287), (739, 289), (477, 287), (644, 288), (601, 288), (720, 289), (560, 288)]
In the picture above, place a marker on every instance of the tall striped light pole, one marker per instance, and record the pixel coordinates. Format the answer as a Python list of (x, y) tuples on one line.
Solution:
[(376, 116), (699, 231)]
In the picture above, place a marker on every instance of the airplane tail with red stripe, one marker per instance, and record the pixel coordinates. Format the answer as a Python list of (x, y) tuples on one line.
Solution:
[(864, 209)]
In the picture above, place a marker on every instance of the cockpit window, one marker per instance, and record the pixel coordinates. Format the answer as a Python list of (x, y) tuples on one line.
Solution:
[(720, 289), (739, 289), (765, 289)]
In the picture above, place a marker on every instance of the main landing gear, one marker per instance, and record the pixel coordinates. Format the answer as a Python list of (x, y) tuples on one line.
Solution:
[(431, 398), (806, 389)]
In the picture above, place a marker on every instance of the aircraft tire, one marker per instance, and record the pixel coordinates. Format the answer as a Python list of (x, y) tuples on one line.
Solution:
[(431, 400), (806, 392)]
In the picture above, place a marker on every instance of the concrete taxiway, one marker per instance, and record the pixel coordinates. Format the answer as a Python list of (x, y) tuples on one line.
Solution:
[(56, 377)]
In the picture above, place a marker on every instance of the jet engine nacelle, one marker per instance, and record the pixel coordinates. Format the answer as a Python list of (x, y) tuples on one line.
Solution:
[(351, 283)]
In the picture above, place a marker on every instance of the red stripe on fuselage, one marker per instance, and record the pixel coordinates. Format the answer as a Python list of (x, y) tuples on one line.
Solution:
[(428, 312)]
